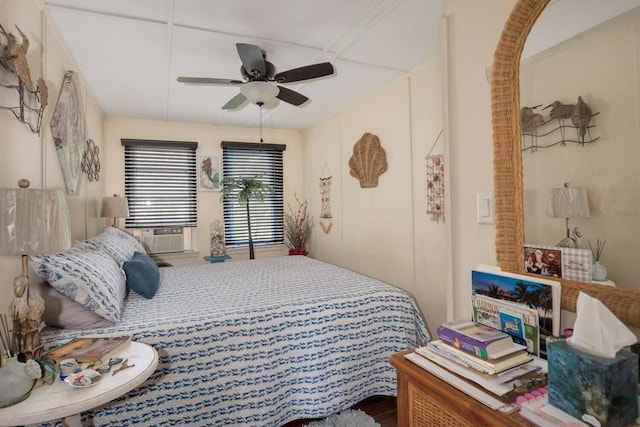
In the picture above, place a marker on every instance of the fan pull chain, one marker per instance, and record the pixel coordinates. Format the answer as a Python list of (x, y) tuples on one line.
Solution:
[(261, 140)]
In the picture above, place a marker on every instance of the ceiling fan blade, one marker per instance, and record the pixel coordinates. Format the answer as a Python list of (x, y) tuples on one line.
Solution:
[(208, 81), (235, 102), (291, 96), (252, 59), (304, 73)]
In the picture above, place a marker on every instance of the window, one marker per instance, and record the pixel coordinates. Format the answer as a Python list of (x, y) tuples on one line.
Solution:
[(243, 160), (160, 180)]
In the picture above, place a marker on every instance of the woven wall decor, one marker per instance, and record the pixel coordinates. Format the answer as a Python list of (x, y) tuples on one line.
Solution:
[(325, 199), (435, 187), (91, 161), (368, 161)]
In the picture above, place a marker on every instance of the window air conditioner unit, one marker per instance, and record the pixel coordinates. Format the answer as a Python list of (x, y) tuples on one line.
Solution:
[(163, 240)]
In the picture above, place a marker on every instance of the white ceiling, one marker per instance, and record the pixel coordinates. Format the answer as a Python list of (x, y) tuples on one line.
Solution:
[(132, 51)]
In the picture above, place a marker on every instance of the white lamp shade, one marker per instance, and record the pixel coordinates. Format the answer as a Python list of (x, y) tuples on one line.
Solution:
[(568, 202), (33, 221), (115, 207), (259, 92)]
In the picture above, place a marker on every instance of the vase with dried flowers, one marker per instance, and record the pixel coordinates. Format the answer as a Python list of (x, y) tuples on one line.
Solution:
[(598, 272), (297, 228)]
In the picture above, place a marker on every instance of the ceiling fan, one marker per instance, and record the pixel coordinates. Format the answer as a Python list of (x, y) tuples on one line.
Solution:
[(261, 84)]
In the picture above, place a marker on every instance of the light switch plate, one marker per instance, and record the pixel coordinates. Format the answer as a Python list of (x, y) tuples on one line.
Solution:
[(485, 208)]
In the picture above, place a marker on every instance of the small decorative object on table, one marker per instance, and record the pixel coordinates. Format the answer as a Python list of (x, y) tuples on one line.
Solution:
[(599, 273), (89, 349), (16, 378), (297, 228)]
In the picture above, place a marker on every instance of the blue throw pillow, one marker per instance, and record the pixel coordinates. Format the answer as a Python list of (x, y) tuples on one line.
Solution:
[(143, 276)]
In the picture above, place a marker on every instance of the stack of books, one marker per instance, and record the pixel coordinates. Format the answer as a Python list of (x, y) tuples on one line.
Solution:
[(483, 362)]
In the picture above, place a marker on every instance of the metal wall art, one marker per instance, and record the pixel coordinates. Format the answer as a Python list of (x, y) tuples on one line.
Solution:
[(368, 161), (67, 127), (32, 100), (91, 161), (563, 118)]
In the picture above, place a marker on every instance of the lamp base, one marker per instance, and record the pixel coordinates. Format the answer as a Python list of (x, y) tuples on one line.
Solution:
[(27, 313)]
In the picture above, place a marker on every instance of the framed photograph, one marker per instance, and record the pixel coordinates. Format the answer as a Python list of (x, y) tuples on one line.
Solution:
[(575, 264), (543, 260), (209, 173)]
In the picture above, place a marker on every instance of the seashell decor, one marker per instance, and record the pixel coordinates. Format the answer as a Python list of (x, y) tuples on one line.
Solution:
[(368, 162)]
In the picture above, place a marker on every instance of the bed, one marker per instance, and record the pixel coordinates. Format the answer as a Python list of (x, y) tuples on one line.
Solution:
[(259, 343)]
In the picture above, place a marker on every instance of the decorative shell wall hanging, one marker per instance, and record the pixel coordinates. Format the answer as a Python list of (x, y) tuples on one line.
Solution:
[(368, 162), (325, 200), (435, 187)]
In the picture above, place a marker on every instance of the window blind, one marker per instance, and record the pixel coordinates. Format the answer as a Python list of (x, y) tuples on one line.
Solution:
[(160, 183), (248, 160)]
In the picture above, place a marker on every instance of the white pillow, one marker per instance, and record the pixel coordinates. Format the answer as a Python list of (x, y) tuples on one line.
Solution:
[(120, 245), (86, 274), (63, 312)]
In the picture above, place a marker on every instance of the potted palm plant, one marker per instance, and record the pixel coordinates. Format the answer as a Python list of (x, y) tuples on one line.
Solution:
[(244, 190)]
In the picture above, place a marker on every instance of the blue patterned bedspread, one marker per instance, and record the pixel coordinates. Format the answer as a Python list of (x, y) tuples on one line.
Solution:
[(260, 343)]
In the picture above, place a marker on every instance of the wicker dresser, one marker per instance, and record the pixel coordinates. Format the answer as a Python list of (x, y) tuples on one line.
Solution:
[(425, 400)]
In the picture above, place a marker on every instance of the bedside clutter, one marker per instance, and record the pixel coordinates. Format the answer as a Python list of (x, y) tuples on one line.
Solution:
[(590, 376)]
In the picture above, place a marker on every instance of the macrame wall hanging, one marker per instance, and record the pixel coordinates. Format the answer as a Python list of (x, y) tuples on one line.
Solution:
[(325, 199), (435, 184)]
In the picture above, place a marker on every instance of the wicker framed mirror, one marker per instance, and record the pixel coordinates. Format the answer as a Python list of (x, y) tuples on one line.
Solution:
[(507, 164)]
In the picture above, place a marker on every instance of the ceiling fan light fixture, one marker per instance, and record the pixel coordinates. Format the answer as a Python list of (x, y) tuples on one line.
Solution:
[(259, 92)]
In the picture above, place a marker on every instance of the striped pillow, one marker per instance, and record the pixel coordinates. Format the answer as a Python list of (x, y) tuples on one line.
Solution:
[(120, 245), (86, 274)]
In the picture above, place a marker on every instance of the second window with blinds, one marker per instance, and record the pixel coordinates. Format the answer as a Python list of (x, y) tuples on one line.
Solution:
[(251, 160)]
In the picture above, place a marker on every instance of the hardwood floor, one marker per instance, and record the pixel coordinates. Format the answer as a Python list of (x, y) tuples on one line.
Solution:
[(381, 408)]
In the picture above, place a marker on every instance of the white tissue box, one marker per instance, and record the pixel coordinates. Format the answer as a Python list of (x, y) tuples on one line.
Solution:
[(582, 384)]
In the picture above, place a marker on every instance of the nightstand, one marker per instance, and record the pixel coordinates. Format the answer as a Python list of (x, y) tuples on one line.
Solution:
[(426, 400), (214, 259)]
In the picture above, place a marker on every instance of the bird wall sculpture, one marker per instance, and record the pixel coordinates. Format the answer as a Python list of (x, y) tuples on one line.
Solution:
[(581, 117)]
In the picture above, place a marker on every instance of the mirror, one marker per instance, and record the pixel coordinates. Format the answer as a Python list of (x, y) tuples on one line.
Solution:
[(507, 158), (607, 169)]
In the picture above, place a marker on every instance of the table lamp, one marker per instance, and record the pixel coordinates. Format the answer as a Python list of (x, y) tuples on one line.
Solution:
[(31, 222), (115, 207), (568, 202)]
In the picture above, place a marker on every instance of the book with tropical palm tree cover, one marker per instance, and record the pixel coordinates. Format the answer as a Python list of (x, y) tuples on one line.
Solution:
[(539, 294)]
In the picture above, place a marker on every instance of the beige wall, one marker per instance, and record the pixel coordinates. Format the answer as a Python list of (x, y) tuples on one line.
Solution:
[(383, 232), (600, 66), (208, 138), (474, 31), (24, 154)]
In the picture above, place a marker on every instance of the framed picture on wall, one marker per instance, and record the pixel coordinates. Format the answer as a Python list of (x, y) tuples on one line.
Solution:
[(209, 168)]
